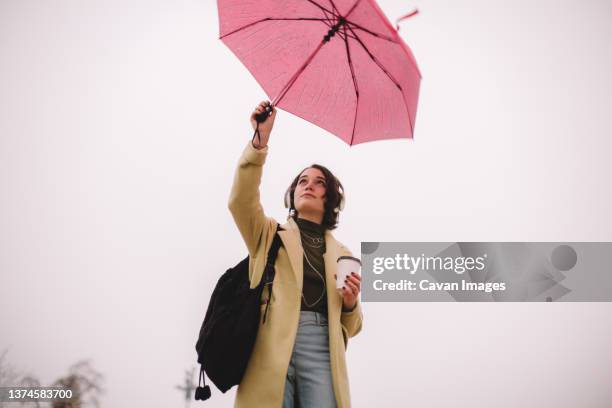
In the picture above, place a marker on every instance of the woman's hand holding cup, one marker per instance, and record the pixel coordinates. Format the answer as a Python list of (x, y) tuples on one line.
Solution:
[(348, 280)]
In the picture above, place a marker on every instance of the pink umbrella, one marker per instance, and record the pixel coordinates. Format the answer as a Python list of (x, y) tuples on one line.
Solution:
[(339, 64)]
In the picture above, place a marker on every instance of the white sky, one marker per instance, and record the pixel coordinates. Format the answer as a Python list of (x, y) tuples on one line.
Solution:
[(120, 126)]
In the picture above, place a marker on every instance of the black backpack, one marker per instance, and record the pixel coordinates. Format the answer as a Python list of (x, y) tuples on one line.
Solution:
[(228, 333)]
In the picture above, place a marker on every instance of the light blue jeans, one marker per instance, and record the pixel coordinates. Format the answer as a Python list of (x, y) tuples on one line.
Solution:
[(309, 380)]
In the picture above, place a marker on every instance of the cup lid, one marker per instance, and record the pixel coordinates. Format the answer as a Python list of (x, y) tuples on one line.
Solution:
[(349, 257)]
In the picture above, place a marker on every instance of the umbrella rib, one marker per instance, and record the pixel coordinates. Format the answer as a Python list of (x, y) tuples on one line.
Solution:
[(295, 76), (350, 62), (388, 75), (375, 34), (320, 6), (375, 60), (334, 7), (335, 15), (274, 19), (331, 19), (344, 35), (353, 7)]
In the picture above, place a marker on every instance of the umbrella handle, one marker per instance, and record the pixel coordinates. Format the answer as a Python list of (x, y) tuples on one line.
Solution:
[(261, 117)]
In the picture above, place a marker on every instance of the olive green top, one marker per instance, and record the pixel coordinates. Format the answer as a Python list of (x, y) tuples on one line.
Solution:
[(314, 295)]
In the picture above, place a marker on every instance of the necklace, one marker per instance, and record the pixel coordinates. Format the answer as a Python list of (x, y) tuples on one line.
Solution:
[(315, 243), (312, 241), (320, 275)]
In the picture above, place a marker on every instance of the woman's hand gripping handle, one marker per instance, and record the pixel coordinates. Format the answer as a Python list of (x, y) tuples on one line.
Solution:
[(262, 120)]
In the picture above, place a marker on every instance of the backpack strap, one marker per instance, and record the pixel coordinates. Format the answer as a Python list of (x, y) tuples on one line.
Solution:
[(273, 252), (270, 272), (202, 393)]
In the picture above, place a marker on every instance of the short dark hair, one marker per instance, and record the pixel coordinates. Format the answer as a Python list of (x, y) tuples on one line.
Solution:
[(333, 195)]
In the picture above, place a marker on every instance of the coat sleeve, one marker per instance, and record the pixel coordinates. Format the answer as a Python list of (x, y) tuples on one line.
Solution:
[(352, 321), (256, 229)]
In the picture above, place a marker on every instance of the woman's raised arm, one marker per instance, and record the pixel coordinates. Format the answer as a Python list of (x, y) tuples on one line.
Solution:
[(244, 202)]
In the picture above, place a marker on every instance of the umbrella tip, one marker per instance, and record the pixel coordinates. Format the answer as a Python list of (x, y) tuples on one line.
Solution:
[(404, 17)]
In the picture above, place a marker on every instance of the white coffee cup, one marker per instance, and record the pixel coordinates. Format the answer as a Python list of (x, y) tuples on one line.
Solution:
[(346, 265)]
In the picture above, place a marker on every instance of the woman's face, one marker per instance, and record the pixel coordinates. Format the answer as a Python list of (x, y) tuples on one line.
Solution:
[(309, 194)]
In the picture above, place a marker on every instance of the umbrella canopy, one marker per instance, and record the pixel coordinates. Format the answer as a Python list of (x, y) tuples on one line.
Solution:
[(339, 64)]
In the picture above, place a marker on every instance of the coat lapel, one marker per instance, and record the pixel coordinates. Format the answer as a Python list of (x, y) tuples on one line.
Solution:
[(291, 241)]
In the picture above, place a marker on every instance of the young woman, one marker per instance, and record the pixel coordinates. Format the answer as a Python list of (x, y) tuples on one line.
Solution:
[(299, 356)]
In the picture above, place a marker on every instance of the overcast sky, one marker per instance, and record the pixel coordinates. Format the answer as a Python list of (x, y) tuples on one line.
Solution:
[(120, 126)]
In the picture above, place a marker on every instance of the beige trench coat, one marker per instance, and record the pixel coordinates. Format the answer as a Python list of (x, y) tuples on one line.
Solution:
[(263, 384)]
